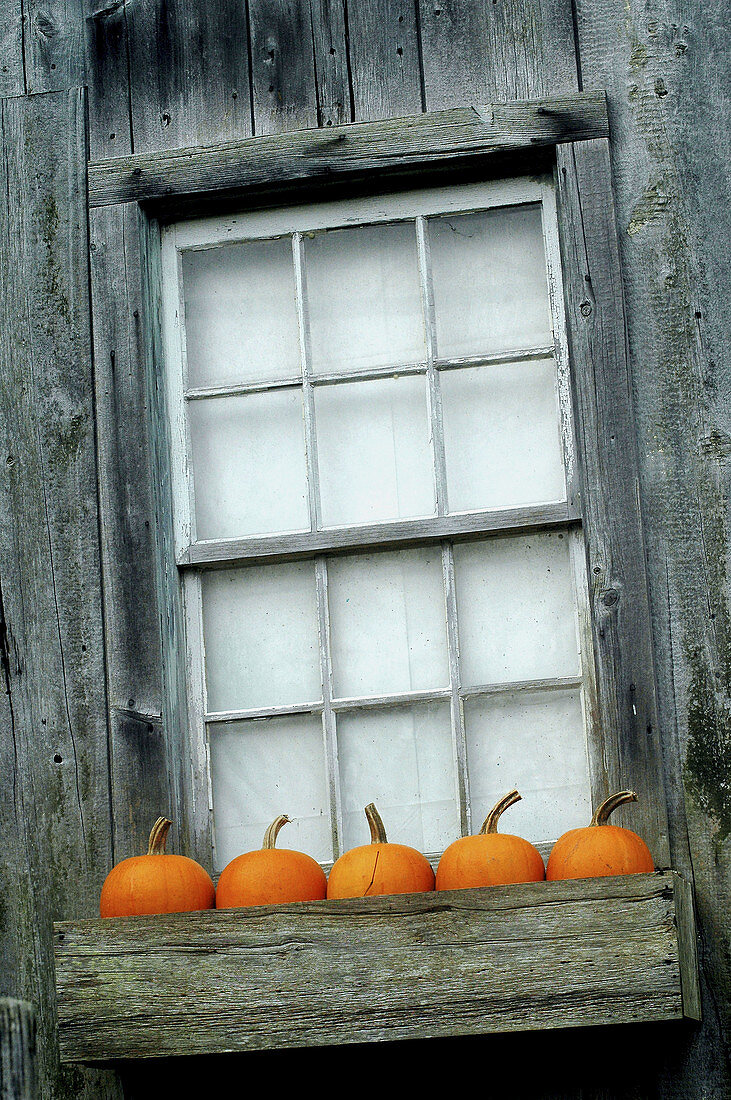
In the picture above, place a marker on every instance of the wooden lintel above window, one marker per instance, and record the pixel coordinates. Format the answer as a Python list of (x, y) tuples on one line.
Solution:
[(465, 962), (433, 139)]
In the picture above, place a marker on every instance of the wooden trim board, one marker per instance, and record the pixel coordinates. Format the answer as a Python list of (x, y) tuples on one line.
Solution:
[(524, 957), (342, 152)]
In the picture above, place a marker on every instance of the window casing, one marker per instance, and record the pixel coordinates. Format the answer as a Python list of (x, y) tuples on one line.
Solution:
[(581, 952), (460, 513)]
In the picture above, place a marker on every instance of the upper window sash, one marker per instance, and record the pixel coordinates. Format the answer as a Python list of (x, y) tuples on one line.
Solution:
[(294, 224)]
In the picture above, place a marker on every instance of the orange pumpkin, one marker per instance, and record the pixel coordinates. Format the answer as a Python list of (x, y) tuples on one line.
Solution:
[(490, 858), (270, 875), (599, 848), (379, 867), (156, 882)]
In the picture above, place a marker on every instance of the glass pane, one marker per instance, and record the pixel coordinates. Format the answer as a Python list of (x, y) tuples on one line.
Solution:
[(364, 297), (260, 630), (249, 464), (260, 769), (240, 313), (502, 437), (490, 287), (535, 743), (400, 758), (388, 623), (515, 609), (373, 451)]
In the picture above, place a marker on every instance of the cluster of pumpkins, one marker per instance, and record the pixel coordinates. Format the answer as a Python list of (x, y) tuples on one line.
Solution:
[(163, 883)]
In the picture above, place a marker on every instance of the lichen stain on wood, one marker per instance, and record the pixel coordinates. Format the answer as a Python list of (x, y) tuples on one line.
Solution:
[(708, 754), (651, 205), (49, 227)]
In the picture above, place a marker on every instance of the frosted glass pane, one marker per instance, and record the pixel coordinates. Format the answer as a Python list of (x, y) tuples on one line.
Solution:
[(262, 769), (400, 758), (490, 286), (388, 623), (364, 297), (535, 743), (515, 609), (373, 451), (240, 313), (249, 464), (260, 629), (502, 438)]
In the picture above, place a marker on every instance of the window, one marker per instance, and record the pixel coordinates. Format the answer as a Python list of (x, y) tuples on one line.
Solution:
[(378, 579), (376, 516)]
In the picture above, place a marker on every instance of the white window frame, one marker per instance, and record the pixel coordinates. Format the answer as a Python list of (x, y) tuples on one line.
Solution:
[(192, 555)]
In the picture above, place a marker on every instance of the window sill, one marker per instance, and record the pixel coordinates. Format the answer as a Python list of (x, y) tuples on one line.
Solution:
[(466, 962)]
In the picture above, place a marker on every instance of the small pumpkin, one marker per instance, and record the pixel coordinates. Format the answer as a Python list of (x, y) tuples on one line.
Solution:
[(379, 867), (270, 875), (157, 882), (490, 858), (599, 848)]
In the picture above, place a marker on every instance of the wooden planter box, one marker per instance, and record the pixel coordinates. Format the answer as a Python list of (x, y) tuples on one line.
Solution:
[(466, 962)]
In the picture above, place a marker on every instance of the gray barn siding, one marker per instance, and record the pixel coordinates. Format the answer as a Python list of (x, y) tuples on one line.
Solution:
[(161, 74), (55, 814)]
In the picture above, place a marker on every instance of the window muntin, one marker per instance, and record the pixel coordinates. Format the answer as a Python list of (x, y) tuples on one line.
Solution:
[(382, 449)]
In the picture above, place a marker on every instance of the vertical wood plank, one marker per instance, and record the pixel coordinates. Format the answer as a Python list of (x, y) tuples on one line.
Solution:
[(612, 521), (282, 66), (189, 73), (12, 64), (189, 812), (18, 1073), (665, 69), (384, 59), (332, 71), (139, 771), (478, 50), (56, 823), (54, 44), (108, 76)]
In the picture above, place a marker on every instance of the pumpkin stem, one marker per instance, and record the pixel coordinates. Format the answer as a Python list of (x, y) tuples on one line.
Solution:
[(378, 830), (489, 825), (158, 836), (270, 836), (601, 816)]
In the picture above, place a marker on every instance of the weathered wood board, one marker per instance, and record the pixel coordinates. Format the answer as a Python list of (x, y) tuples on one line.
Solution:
[(518, 958), (55, 817), (18, 1045), (346, 151)]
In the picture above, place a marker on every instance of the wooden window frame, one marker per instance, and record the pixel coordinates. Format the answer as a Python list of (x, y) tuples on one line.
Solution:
[(569, 136), (581, 952), (439, 531)]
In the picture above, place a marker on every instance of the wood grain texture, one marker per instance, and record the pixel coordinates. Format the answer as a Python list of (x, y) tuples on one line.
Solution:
[(284, 95), (385, 62), (665, 66), (18, 1046), (506, 49), (613, 530), (53, 41), (188, 72), (435, 139), (402, 533), (185, 755), (55, 821), (540, 955), (12, 66), (139, 771), (108, 76), (331, 62)]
